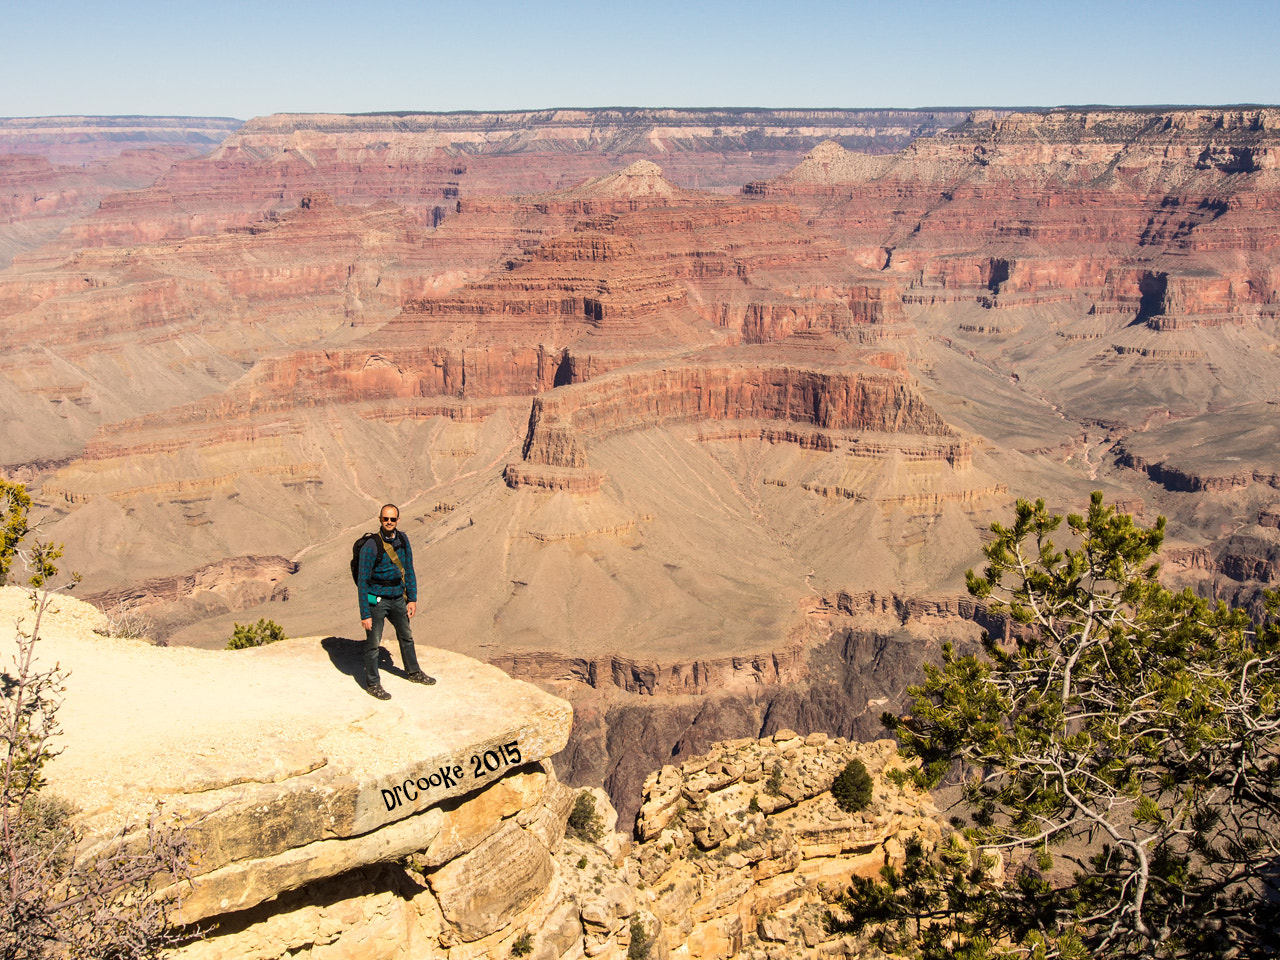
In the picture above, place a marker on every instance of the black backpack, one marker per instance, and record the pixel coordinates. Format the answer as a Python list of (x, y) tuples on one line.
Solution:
[(355, 554), (359, 545)]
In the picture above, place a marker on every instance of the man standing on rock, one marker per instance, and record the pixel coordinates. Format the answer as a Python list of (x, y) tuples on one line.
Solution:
[(388, 591)]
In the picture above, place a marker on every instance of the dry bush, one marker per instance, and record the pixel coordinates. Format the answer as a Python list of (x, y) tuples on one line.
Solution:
[(58, 897), (124, 620)]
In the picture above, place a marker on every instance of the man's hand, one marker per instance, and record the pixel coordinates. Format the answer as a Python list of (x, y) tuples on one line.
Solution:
[(367, 623), (412, 608)]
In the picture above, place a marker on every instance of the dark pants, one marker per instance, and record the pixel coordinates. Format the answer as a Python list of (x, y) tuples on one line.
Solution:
[(395, 611)]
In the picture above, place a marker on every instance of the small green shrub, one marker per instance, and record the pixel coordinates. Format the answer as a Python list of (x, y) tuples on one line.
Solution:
[(773, 786), (14, 504), (640, 941), (582, 862), (256, 635), (522, 946), (754, 805), (584, 820), (852, 788)]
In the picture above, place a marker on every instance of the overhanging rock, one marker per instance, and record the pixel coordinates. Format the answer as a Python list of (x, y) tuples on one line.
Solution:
[(289, 771)]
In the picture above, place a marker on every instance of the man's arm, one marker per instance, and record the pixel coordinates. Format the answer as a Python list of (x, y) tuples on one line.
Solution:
[(364, 570), (410, 579)]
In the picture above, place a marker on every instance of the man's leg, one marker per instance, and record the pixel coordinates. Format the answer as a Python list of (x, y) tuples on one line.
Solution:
[(398, 615), (373, 642)]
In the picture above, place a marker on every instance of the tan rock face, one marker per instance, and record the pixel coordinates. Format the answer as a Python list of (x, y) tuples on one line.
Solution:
[(762, 886), (311, 792), (465, 824), (482, 890)]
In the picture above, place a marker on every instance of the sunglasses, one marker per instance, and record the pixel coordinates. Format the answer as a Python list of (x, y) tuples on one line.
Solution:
[(389, 519)]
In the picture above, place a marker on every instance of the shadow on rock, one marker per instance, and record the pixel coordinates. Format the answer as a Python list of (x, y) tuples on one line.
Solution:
[(348, 657)]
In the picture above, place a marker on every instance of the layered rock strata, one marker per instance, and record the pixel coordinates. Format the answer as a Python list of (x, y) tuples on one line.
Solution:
[(1133, 211), (425, 162), (658, 438), (79, 140), (560, 425), (183, 320), (40, 197)]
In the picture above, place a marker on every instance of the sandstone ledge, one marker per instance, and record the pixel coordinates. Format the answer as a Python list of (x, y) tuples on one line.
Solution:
[(289, 770)]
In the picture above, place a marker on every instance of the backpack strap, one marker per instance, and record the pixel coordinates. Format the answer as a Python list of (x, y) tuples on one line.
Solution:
[(395, 557)]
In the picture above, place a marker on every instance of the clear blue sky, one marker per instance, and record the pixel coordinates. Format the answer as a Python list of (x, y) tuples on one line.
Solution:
[(245, 58)]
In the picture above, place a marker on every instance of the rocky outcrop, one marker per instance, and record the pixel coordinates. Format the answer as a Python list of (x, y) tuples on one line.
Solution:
[(660, 679), (738, 852), (277, 796), (1213, 453), (909, 609), (1176, 479), (159, 605), (374, 829), (224, 576), (594, 283), (742, 848), (1251, 558), (840, 687), (1180, 480)]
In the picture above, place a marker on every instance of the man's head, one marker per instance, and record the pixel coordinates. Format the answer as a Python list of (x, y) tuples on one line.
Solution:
[(388, 517)]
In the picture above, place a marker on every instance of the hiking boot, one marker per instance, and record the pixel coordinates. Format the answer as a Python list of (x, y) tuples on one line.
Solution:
[(419, 677), (376, 690)]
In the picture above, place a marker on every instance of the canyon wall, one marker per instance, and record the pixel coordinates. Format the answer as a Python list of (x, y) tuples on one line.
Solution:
[(425, 163), (657, 440)]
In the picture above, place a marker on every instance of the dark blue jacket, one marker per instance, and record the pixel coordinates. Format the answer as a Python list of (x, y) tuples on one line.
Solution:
[(377, 575)]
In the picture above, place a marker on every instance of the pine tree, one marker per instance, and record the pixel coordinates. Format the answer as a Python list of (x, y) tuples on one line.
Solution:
[(1127, 735)]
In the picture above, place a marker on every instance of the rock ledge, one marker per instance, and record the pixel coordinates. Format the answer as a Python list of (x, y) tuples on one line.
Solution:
[(290, 772)]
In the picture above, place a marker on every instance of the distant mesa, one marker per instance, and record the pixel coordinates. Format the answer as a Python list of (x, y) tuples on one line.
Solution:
[(641, 180), (829, 162), (88, 139)]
